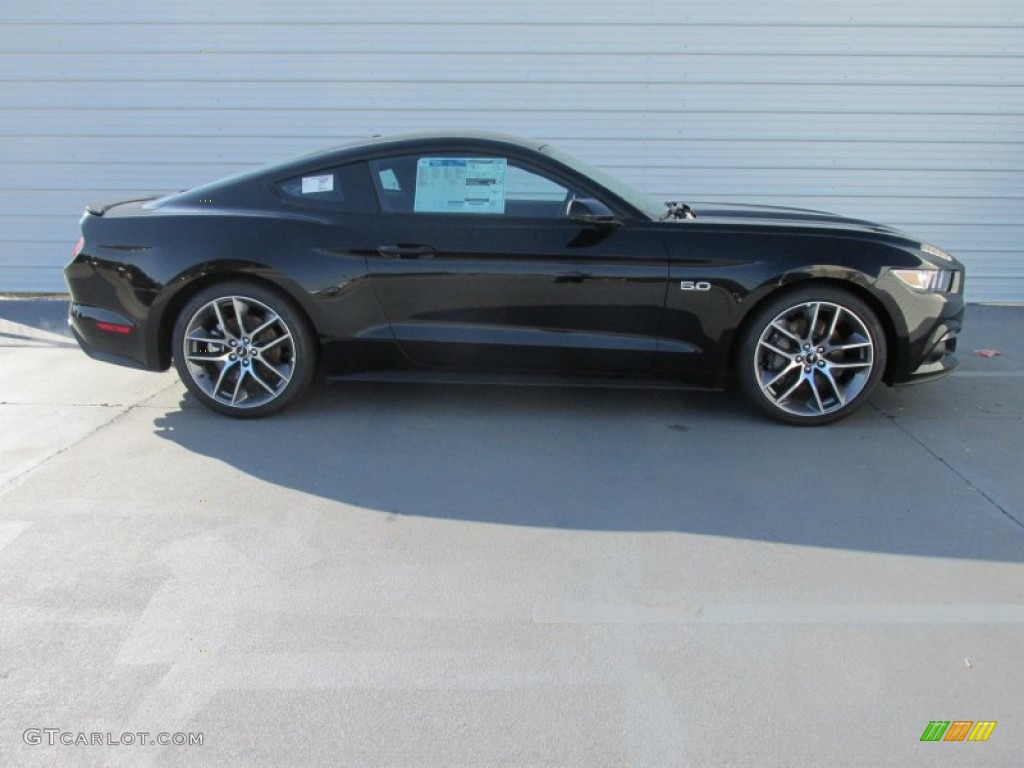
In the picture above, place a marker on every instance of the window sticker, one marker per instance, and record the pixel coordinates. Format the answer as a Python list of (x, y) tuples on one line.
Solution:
[(460, 185), (313, 184), (389, 181)]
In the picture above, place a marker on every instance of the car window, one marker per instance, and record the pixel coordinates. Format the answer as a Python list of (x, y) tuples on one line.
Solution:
[(525, 185), (346, 188), (445, 184)]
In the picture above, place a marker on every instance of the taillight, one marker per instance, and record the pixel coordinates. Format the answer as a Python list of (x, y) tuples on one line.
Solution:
[(78, 248)]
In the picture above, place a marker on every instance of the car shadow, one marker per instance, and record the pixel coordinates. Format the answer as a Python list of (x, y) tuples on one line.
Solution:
[(35, 322), (695, 463)]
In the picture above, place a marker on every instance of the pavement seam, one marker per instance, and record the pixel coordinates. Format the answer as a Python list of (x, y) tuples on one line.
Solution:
[(947, 465), (68, 405), (10, 482)]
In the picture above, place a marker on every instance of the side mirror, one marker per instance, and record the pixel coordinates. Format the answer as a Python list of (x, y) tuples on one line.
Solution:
[(591, 211)]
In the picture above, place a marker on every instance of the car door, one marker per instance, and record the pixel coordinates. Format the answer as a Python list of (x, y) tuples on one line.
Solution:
[(477, 265)]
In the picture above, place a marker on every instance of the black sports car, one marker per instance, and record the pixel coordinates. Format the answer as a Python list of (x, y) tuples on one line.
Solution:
[(415, 255)]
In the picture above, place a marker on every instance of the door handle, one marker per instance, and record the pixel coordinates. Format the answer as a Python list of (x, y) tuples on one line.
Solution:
[(406, 251), (571, 276)]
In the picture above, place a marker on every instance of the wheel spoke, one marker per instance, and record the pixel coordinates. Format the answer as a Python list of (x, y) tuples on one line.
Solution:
[(263, 326), (284, 377), (236, 302), (208, 358), (220, 379), (844, 347), (238, 384), (786, 332), (220, 321), (263, 348), (788, 369), (817, 395), (260, 381), (814, 322), (835, 387), (775, 349), (789, 392), (834, 325), (858, 364)]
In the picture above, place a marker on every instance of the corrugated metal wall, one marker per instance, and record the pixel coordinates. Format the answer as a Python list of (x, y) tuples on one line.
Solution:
[(907, 112)]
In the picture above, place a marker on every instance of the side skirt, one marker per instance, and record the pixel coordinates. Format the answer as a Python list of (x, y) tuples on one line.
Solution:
[(477, 378)]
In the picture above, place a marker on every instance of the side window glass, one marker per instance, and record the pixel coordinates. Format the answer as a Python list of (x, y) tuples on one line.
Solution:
[(526, 186), (346, 188), (532, 195), (466, 185)]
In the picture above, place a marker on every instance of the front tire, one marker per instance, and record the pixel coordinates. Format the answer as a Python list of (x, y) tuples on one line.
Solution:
[(811, 356), (243, 349)]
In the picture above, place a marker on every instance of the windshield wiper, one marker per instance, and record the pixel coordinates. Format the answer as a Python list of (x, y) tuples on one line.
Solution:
[(677, 210)]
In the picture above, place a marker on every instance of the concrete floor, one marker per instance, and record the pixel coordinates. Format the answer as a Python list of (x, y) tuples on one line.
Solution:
[(428, 576)]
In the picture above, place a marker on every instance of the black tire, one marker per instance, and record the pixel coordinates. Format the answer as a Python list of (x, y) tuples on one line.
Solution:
[(811, 356), (243, 349)]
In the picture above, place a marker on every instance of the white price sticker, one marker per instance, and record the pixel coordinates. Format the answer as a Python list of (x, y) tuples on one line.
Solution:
[(311, 184)]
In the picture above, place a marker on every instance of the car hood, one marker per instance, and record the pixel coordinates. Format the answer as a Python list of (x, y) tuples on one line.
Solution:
[(766, 215)]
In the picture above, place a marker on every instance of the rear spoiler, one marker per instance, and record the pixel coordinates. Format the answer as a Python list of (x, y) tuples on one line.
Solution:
[(98, 209)]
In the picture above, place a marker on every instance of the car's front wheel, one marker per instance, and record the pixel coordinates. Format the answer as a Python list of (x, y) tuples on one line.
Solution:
[(243, 349), (811, 356)]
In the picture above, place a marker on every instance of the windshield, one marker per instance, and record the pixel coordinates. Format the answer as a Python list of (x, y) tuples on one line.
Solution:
[(651, 207)]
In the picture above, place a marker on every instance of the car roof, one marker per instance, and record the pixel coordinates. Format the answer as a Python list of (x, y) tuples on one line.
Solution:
[(423, 140), (428, 137)]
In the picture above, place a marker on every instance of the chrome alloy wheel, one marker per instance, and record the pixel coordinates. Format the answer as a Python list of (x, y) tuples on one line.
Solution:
[(239, 352), (814, 358)]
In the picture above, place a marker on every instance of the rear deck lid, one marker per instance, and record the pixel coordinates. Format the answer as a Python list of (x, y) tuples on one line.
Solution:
[(98, 209)]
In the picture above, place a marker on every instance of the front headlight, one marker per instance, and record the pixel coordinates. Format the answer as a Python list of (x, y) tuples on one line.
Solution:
[(931, 280)]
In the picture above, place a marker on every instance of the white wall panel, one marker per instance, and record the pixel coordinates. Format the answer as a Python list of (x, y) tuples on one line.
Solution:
[(906, 112), (516, 37), (452, 13)]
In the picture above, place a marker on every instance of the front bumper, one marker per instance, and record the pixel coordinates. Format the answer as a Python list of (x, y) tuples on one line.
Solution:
[(926, 329), (940, 353)]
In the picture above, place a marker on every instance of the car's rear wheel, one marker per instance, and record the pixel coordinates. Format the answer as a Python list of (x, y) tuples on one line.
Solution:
[(243, 349), (811, 356)]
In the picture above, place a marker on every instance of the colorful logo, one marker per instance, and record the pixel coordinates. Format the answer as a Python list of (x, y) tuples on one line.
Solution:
[(958, 730)]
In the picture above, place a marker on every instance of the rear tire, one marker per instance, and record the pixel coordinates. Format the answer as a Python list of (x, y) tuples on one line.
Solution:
[(811, 356), (243, 349)]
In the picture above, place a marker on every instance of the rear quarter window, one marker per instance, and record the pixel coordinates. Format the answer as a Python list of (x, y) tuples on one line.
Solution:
[(346, 189)]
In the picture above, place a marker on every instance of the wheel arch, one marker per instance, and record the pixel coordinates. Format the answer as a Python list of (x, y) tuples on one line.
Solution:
[(250, 274), (792, 286)]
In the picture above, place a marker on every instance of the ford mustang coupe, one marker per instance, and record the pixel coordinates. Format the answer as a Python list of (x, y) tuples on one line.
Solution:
[(425, 255)]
